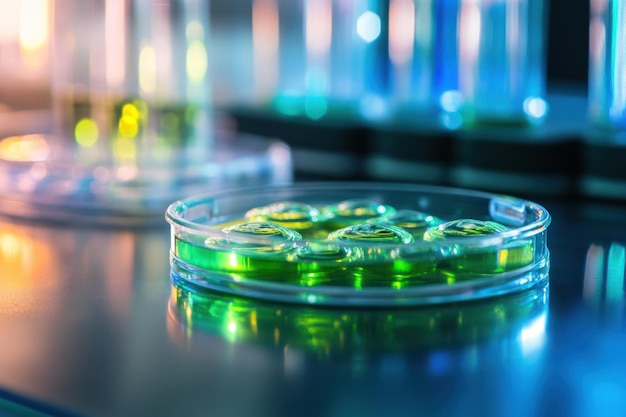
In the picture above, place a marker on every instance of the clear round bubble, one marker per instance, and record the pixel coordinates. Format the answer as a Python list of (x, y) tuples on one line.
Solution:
[(323, 251), (372, 233), (356, 211), (413, 221), (463, 228), (256, 237), (294, 215)]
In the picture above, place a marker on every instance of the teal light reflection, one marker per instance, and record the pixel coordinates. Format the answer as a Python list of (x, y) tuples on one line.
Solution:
[(315, 107), (288, 104), (603, 287), (615, 274)]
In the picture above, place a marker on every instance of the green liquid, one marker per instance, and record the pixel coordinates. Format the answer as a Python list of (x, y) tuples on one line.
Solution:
[(486, 263), (354, 244), (357, 269), (353, 269), (468, 263)]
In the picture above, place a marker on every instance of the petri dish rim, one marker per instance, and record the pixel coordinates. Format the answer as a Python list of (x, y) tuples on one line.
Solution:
[(174, 210), (480, 287)]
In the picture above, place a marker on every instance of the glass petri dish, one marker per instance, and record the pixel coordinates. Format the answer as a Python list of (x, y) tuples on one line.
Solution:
[(358, 243), (41, 179)]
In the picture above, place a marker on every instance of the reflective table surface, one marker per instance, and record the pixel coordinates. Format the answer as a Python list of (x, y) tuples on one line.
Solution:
[(90, 325)]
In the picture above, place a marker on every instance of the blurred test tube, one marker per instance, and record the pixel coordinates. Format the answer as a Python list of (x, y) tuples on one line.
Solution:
[(424, 55), (233, 73), (24, 54), (332, 53), (130, 79), (607, 65), (501, 61), (473, 62)]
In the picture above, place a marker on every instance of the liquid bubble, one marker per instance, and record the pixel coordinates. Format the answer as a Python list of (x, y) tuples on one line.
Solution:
[(372, 232), (293, 215), (350, 212), (256, 237), (413, 221), (463, 228)]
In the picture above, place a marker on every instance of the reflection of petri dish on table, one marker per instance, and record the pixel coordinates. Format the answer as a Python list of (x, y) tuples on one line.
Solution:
[(193, 315), (42, 178), (359, 244)]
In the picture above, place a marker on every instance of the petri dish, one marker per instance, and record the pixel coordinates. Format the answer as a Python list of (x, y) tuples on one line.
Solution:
[(41, 179), (359, 243)]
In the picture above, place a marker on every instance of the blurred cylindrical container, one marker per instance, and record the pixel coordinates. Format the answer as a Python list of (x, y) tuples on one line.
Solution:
[(24, 54), (607, 64), (501, 46), (130, 79), (330, 53), (603, 173), (475, 62), (240, 65), (424, 58)]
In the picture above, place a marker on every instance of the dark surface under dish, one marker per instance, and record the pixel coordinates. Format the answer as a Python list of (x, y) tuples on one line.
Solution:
[(90, 325)]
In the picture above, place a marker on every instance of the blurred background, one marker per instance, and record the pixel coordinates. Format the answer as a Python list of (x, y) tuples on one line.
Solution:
[(568, 42), (112, 109), (509, 96), (25, 26)]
